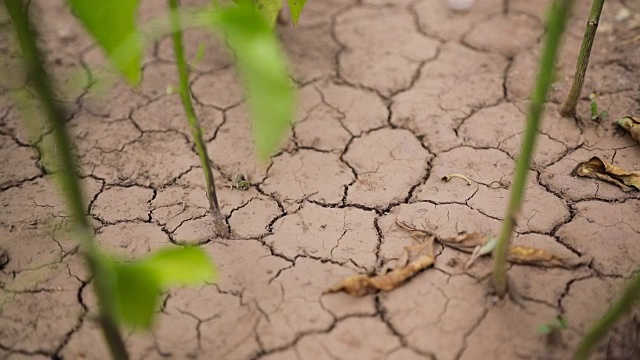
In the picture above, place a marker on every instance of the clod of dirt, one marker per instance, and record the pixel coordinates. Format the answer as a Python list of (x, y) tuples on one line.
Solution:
[(632, 125), (388, 163), (20, 159), (4, 258), (598, 169), (375, 58)]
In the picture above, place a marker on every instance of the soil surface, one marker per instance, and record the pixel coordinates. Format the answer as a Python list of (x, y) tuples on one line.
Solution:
[(393, 95)]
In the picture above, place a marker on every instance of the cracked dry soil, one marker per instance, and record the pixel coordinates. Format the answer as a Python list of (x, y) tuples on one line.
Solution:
[(393, 94)]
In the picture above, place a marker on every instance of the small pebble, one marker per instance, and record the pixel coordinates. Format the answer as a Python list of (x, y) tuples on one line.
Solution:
[(460, 5)]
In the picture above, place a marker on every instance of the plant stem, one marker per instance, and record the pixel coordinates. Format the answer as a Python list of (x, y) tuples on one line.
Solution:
[(220, 226), (68, 179), (598, 330), (558, 14), (569, 106)]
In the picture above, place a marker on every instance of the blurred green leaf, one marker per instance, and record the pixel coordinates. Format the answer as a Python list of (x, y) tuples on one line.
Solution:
[(295, 8), (139, 284), (594, 110), (263, 69), (137, 291), (112, 24), (202, 49), (544, 329), (180, 266), (268, 8)]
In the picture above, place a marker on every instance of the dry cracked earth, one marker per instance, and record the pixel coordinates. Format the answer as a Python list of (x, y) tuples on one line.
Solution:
[(393, 94)]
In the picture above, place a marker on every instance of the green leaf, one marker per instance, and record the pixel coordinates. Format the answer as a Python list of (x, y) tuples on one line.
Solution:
[(295, 8), (180, 266), (544, 329), (268, 8), (263, 69), (136, 294), (604, 115), (112, 24), (202, 49), (594, 110)]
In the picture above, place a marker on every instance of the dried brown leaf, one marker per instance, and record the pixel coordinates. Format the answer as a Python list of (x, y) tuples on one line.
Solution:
[(360, 285), (632, 125), (527, 255), (466, 242), (597, 169)]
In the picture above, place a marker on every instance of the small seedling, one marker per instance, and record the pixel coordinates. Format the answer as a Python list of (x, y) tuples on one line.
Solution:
[(553, 327), (596, 114), (240, 182)]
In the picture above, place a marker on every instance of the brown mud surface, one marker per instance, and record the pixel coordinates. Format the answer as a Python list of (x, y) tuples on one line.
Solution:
[(393, 95)]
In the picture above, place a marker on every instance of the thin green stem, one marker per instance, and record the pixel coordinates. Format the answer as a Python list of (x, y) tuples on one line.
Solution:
[(220, 226), (558, 14), (599, 329), (68, 178), (569, 106)]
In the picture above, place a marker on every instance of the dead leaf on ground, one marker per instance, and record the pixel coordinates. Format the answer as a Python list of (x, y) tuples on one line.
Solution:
[(597, 169), (632, 125), (421, 256), (360, 285), (527, 255)]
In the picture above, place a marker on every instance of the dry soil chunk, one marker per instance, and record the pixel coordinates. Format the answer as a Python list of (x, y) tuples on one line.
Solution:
[(361, 110), (252, 219), (308, 174), (39, 308), (503, 126), (353, 338), (607, 231), (388, 163), (167, 113), (341, 235), (37, 202), (434, 311), (505, 34), (449, 89), (311, 49), (484, 167), (175, 204), (374, 57), (18, 162), (208, 323), (132, 239), (123, 204), (221, 89), (155, 159), (233, 148), (541, 212), (293, 303), (512, 332)]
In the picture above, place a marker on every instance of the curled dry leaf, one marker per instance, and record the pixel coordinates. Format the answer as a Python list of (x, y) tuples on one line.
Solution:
[(360, 285), (460, 176), (597, 169), (632, 125), (527, 255), (421, 256)]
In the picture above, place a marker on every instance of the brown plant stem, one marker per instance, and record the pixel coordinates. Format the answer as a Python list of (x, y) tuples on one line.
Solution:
[(569, 107), (67, 176), (220, 226), (558, 14)]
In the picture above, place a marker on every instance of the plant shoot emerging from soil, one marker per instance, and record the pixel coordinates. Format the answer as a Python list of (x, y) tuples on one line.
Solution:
[(569, 106), (558, 14), (219, 225)]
